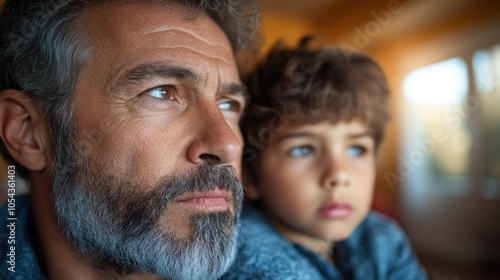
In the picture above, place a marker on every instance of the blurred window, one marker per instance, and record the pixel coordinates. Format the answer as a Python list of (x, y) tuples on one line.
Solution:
[(486, 65), (443, 83), (437, 142), (442, 107)]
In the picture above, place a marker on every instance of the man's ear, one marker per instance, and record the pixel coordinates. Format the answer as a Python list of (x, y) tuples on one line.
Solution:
[(23, 130)]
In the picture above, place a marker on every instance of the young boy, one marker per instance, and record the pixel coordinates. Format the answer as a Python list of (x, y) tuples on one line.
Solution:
[(313, 128)]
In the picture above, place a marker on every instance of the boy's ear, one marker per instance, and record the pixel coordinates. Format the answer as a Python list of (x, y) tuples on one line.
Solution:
[(252, 191), (23, 130)]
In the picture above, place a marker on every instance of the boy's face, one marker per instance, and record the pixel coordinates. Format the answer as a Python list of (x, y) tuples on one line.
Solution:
[(316, 180)]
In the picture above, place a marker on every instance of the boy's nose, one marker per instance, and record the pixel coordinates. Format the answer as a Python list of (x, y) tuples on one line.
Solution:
[(336, 175)]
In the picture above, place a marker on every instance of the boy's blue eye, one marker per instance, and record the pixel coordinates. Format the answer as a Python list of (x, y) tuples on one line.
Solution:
[(356, 151), (301, 151)]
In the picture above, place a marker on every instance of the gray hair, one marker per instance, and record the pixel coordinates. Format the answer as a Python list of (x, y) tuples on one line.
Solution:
[(42, 48)]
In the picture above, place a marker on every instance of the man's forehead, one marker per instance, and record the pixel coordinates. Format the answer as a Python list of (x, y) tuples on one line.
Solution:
[(119, 22), (125, 35)]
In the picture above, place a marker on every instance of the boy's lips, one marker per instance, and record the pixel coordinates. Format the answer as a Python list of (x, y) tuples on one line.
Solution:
[(214, 200), (335, 210)]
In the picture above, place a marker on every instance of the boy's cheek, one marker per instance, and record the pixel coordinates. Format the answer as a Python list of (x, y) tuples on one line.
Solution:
[(364, 197)]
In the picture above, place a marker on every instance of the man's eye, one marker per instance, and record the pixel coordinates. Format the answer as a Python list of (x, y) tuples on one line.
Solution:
[(356, 151), (301, 151), (230, 105), (161, 92)]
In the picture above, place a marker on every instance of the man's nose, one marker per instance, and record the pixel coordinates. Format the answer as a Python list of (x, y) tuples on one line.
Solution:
[(215, 141)]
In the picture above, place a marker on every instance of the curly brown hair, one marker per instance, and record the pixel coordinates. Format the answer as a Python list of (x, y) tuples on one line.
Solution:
[(309, 85)]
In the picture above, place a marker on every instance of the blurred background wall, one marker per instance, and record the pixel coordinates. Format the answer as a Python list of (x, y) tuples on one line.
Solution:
[(439, 173)]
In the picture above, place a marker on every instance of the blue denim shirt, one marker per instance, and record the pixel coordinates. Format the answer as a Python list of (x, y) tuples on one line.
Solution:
[(377, 249), (26, 264)]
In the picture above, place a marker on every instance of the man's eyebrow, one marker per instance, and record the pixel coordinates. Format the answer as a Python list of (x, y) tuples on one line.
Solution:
[(236, 89), (145, 72)]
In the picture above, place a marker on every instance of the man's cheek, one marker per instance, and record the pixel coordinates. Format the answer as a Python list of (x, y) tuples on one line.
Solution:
[(237, 166)]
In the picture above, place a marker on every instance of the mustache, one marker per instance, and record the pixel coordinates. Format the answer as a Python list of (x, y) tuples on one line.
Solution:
[(142, 213)]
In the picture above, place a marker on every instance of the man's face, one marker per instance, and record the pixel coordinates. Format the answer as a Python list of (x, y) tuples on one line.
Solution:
[(316, 180), (156, 111), (159, 94)]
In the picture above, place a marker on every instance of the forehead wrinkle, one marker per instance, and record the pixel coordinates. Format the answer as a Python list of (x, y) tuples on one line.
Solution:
[(180, 31), (188, 39), (207, 55)]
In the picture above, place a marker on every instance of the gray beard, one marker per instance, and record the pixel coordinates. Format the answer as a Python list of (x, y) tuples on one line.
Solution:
[(115, 225)]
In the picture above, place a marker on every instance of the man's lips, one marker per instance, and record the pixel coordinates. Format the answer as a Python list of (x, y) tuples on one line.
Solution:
[(335, 210), (214, 200)]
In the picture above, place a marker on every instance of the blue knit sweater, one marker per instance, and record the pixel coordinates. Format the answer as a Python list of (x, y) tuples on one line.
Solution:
[(377, 249)]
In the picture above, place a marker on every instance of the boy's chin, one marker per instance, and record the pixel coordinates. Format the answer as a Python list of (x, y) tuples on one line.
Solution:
[(338, 235)]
